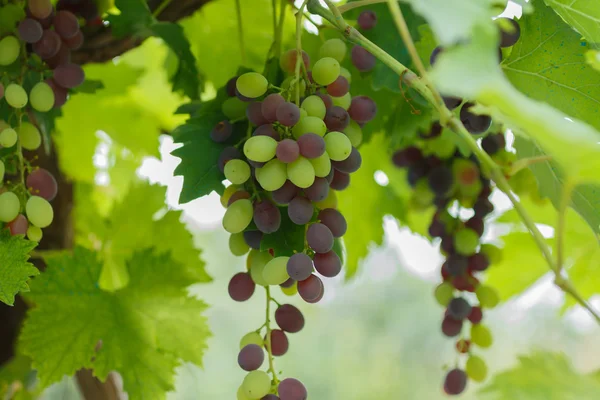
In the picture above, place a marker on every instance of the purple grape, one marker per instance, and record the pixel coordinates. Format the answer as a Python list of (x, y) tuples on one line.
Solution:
[(350, 164), (367, 20), (271, 397), (228, 153), (340, 181), (287, 151), (459, 308), (300, 210), (86, 9), (66, 24), (254, 114), (30, 31), (69, 75), (474, 123), (18, 226), (334, 220), (299, 267), (456, 264), (42, 183), (289, 318), (493, 143), (251, 357), (311, 145), (319, 238), (221, 132), (292, 389), (279, 342), (327, 100), (336, 118), (451, 327), (328, 264), (330, 176), (241, 287), (510, 38), (478, 262), (455, 382), (255, 164), (239, 195), (441, 180), (230, 86), (362, 109), (482, 208), (269, 106), (452, 102), (339, 87), (267, 216), (476, 224), (407, 157), (286, 193), (289, 283), (75, 42), (288, 114), (253, 239), (311, 288), (60, 93), (266, 130), (61, 58), (362, 59), (48, 45), (318, 191)]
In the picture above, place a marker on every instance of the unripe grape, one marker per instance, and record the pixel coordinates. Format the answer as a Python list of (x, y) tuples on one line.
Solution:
[(257, 266), (444, 292), (290, 291), (322, 165), (227, 193), (237, 171), (42, 97), (39, 212), (338, 146), (309, 125), (476, 368), (252, 85), (252, 338), (237, 244), (260, 148), (16, 97), (256, 384), (334, 48), (488, 296), (314, 106), (8, 138), (272, 176), (238, 216), (241, 395), (481, 335), (34, 233), (354, 133), (9, 206), (345, 101), (466, 241), (9, 50), (30, 136), (326, 71), (275, 272), (234, 108), (330, 202), (301, 172), (288, 60)]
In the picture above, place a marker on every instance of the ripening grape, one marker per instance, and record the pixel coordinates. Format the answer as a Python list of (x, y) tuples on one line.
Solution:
[(510, 31), (267, 216), (16, 97), (336, 118), (338, 146), (455, 382), (344, 101), (8, 138), (279, 342), (314, 106), (288, 60), (275, 272), (221, 132), (75, 42), (272, 176), (258, 261), (451, 327), (238, 216), (227, 193), (362, 109), (474, 123), (339, 87), (492, 252), (309, 125), (42, 183), (328, 264), (39, 212), (60, 93), (292, 389), (9, 50), (251, 357), (66, 24), (457, 264), (40, 9), (367, 20), (354, 133), (241, 287), (69, 75), (476, 315), (311, 146), (444, 293), (269, 106), (18, 226), (311, 289), (488, 296), (234, 108), (41, 97), (48, 46), (288, 114), (301, 172), (481, 335), (459, 308), (238, 245), (237, 171), (251, 338), (256, 384), (330, 202), (326, 71), (253, 239), (29, 136), (300, 210), (476, 368), (299, 266), (260, 148), (289, 318), (466, 241), (287, 151), (266, 130), (334, 48), (290, 291), (362, 59), (252, 84)]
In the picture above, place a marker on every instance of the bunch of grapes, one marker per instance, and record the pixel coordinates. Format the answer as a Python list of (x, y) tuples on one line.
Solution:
[(36, 57), (301, 147), (443, 177)]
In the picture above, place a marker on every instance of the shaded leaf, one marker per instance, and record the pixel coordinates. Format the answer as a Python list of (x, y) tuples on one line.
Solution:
[(15, 270)]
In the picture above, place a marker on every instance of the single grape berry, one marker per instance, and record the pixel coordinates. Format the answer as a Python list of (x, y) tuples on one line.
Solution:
[(456, 264), (251, 357), (328, 264), (299, 267), (241, 287), (221, 132), (279, 342), (289, 318), (459, 308), (455, 382), (362, 59), (292, 389), (474, 123), (476, 315), (451, 327), (510, 36), (367, 20), (407, 157)]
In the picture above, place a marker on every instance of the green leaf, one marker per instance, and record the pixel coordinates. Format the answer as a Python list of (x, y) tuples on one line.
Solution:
[(592, 57), (15, 271), (141, 331), (15, 376), (10, 15), (134, 18), (583, 15), (543, 376), (548, 64), (288, 240)]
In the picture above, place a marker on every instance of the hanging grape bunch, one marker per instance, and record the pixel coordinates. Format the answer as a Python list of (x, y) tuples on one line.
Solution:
[(442, 176), (300, 147), (37, 77)]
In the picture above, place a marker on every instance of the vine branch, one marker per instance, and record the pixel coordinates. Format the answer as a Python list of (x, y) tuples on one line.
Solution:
[(268, 326)]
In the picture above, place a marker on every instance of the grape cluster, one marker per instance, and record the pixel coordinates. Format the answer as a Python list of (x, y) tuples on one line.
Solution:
[(300, 149), (39, 76)]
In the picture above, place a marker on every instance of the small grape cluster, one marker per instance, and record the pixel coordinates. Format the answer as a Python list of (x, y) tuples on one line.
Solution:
[(300, 148), (38, 76)]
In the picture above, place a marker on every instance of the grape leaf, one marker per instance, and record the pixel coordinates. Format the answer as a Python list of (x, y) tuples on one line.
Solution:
[(15, 271), (289, 239), (141, 331), (134, 18), (472, 71), (15, 375), (548, 64), (592, 57), (583, 15), (543, 376)]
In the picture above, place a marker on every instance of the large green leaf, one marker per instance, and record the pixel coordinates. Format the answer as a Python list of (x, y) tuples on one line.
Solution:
[(548, 64), (15, 270), (141, 331), (583, 15)]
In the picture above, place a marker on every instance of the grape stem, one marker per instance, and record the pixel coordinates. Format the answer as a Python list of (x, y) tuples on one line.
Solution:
[(161, 8), (299, 59), (526, 162), (240, 28), (447, 118), (268, 326), (279, 31)]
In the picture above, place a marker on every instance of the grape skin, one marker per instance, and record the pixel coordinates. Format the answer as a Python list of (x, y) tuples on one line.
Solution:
[(451, 327), (311, 145), (362, 109), (48, 46), (39, 212), (339, 87), (66, 24), (18, 226), (362, 59), (40, 9), (334, 48), (311, 288), (350, 164), (287, 151), (334, 220), (256, 384), (288, 114), (251, 357), (340, 180), (286, 193), (41, 97), (336, 119), (266, 130), (269, 106), (279, 342), (455, 382), (41, 182), (289, 318), (328, 264), (255, 115), (292, 389), (318, 191), (69, 75), (267, 217), (367, 20), (241, 287), (300, 210), (299, 267), (253, 239), (319, 238), (30, 30), (459, 308)]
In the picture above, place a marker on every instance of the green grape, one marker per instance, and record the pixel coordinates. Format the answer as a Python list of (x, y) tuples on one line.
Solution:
[(493, 252), (309, 125), (476, 368), (444, 292), (237, 244), (422, 196), (34, 233), (2, 171), (322, 165), (272, 176), (326, 71), (9, 206), (252, 338), (330, 202), (238, 216), (301, 172), (470, 192), (465, 172), (41, 97), (237, 171), (257, 384), (338, 146), (488, 296), (252, 85), (16, 96), (260, 148), (257, 265), (290, 291), (334, 48), (39, 212), (346, 74), (30, 136), (3, 124), (303, 113), (8, 138), (354, 133), (343, 101), (481, 335), (241, 395), (291, 80), (314, 107), (9, 50), (442, 146), (466, 241), (275, 272), (234, 108), (523, 182)]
